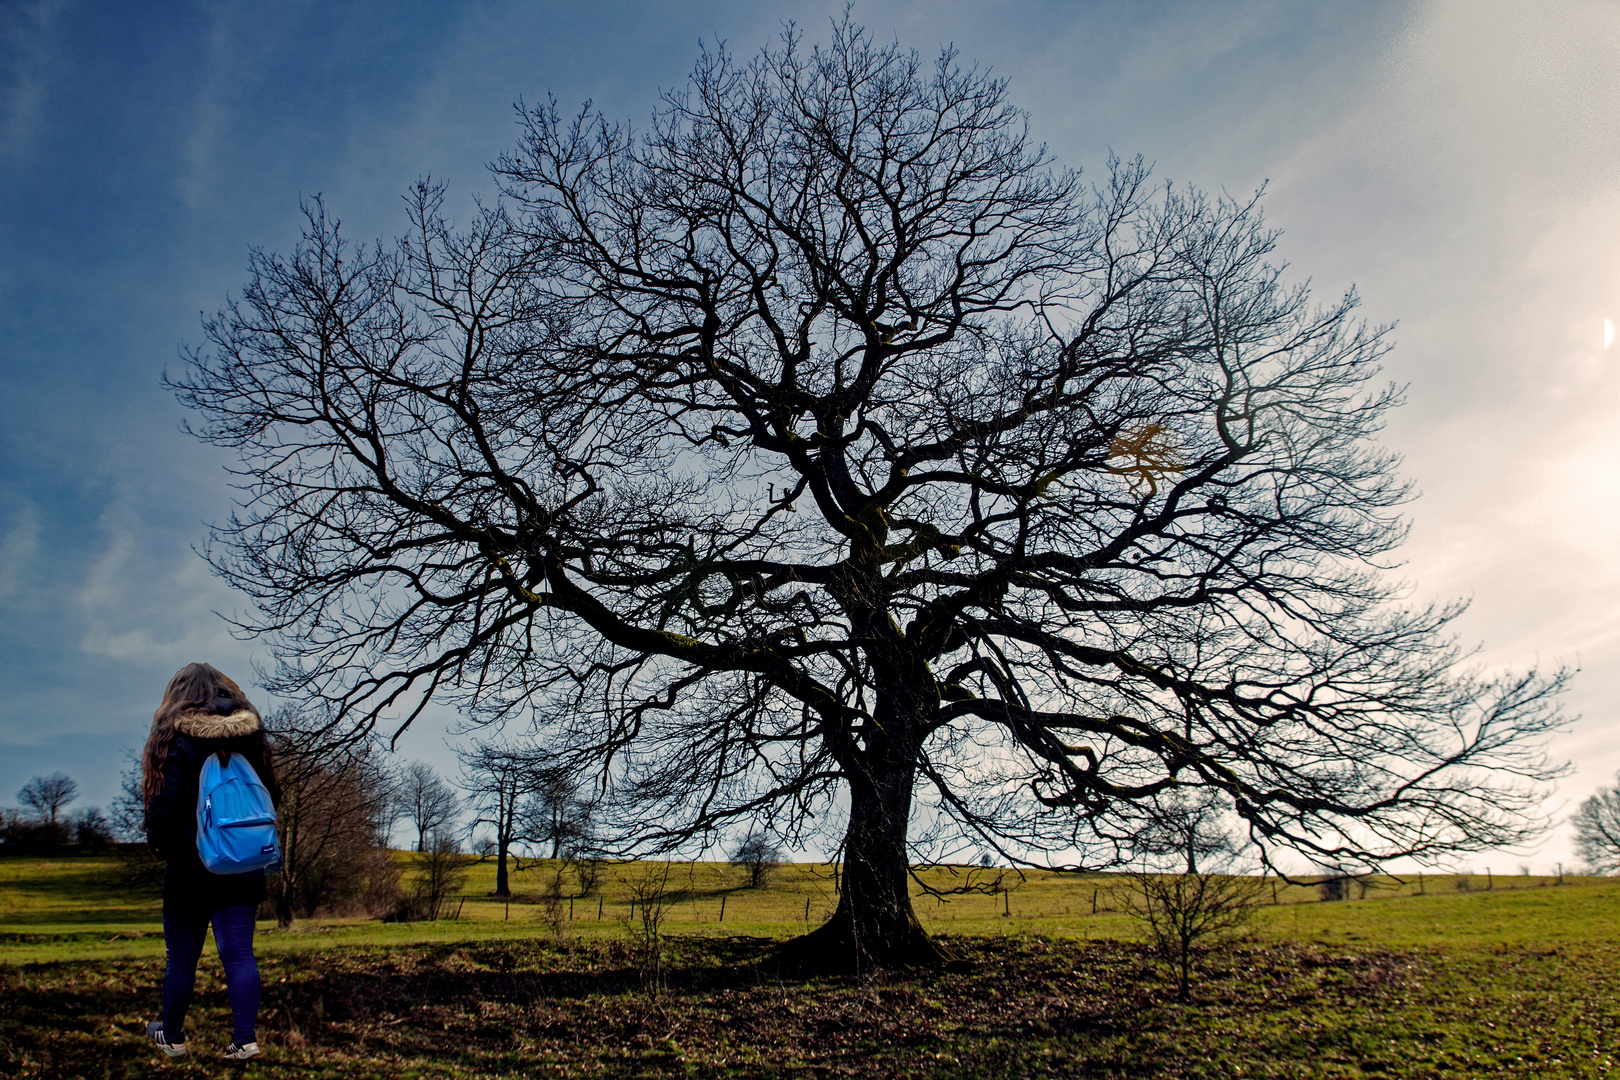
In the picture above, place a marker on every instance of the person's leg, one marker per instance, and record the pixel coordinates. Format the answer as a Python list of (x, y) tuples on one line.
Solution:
[(183, 935), (233, 935)]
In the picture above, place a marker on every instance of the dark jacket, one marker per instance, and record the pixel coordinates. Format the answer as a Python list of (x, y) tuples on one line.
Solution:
[(171, 815)]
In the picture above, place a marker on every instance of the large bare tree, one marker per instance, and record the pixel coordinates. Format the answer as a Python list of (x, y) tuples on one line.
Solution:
[(825, 453)]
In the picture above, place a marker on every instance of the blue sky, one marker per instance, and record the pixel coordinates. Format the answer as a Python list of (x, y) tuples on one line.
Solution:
[(1456, 161)]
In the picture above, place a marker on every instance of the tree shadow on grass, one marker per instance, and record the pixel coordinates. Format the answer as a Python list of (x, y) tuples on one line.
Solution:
[(1028, 1007)]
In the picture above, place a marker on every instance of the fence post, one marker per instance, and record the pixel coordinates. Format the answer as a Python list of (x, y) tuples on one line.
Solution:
[(722, 907)]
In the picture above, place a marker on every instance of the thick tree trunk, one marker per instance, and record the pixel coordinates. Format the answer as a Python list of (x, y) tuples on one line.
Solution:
[(873, 927)]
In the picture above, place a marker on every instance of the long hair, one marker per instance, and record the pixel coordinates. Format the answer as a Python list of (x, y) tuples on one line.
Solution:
[(194, 688)]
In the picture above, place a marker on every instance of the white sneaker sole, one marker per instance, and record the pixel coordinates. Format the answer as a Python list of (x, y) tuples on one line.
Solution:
[(170, 1049)]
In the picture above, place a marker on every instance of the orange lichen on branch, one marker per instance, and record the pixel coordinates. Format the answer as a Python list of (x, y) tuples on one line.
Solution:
[(1151, 454)]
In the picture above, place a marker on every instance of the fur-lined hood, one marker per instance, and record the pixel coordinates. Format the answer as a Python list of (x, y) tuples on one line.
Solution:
[(208, 725)]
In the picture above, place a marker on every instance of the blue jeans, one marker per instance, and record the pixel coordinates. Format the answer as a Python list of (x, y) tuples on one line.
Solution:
[(183, 936)]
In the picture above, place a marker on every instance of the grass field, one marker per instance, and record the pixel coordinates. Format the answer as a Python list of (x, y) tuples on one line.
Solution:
[(1521, 979)]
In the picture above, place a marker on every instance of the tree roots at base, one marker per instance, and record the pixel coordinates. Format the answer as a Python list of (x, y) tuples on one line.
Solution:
[(834, 948)]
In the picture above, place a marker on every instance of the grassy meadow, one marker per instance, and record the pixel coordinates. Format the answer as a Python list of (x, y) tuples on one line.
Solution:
[(1447, 977)]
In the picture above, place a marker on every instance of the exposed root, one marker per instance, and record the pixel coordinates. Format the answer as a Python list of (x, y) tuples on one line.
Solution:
[(834, 948)]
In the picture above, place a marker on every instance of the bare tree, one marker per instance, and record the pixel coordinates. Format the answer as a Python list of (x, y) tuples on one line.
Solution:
[(1187, 914), (440, 872), (426, 801), (1187, 825), (757, 855), (46, 795), (332, 822), (650, 901), (500, 780), (826, 447), (557, 814), (1597, 830), (1193, 894), (129, 805), (92, 829)]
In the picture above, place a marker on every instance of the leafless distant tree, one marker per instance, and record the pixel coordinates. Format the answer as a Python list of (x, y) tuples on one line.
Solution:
[(1597, 830), (500, 781), (757, 855), (557, 814), (426, 801), (46, 795), (441, 871), (824, 446), (92, 829), (1185, 825), (128, 816), (332, 823)]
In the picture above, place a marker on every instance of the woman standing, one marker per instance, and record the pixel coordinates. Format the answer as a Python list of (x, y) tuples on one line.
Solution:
[(203, 713)]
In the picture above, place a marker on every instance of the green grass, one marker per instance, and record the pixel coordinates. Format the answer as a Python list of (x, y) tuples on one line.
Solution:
[(1521, 980)]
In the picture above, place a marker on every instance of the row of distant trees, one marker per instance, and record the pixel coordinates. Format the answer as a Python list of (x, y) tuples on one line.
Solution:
[(43, 824), (340, 803)]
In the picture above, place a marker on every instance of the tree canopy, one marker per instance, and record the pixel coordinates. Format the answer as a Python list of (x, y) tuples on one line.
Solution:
[(828, 457)]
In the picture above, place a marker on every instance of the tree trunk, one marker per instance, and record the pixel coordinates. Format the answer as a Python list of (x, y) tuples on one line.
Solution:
[(873, 926), (502, 888), (284, 907)]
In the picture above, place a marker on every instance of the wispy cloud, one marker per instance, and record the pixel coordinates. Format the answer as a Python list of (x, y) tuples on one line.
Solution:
[(18, 547), (25, 37), (147, 603)]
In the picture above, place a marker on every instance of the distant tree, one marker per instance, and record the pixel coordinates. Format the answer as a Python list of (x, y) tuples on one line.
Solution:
[(557, 815), (441, 870), (22, 834), (426, 801), (46, 795), (500, 781), (1597, 830), (332, 822), (1187, 825), (823, 446), (92, 830), (756, 855), (128, 812), (587, 867)]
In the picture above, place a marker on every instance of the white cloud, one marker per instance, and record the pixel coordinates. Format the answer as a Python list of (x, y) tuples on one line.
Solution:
[(25, 29), (17, 550), (147, 604)]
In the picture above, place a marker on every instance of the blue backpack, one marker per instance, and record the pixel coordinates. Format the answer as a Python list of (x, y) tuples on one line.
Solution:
[(236, 821)]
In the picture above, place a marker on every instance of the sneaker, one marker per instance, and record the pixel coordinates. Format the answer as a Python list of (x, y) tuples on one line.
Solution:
[(154, 1031), (234, 1052)]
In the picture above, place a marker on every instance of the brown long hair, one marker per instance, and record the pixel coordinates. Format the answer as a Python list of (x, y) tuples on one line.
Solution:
[(194, 688)]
